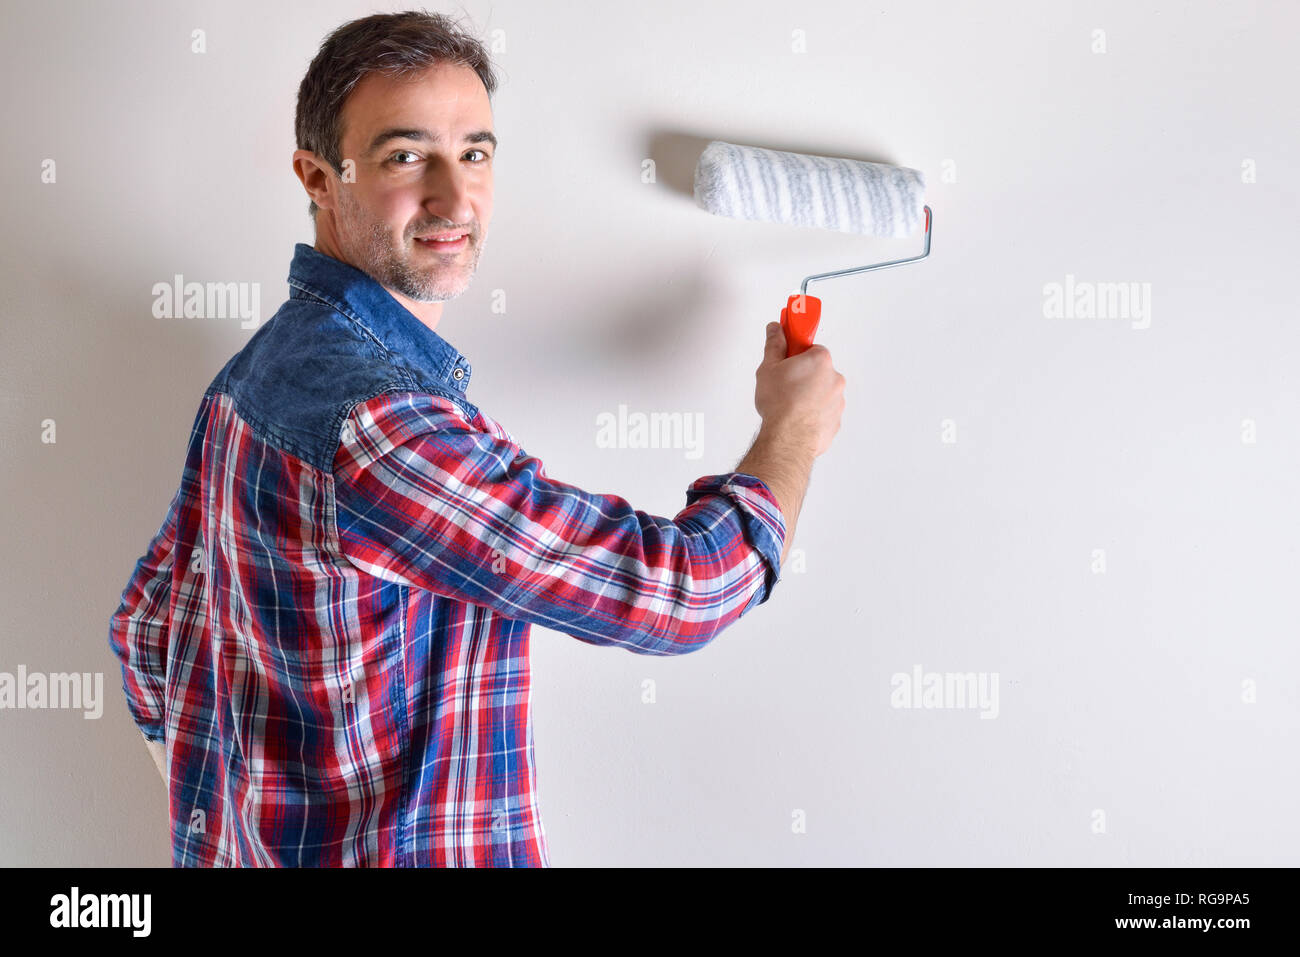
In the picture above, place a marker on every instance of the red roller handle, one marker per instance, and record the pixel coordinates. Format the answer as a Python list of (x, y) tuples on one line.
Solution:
[(799, 321)]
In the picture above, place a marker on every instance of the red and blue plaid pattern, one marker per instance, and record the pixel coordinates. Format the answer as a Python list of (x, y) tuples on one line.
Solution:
[(335, 647)]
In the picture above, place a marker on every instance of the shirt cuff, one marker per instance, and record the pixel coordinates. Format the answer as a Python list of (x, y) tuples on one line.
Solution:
[(760, 517), (152, 729)]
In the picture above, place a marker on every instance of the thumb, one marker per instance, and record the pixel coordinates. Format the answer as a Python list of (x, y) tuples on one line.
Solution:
[(774, 350)]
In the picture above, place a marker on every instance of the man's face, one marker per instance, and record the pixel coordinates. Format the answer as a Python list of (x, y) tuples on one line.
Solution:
[(423, 167)]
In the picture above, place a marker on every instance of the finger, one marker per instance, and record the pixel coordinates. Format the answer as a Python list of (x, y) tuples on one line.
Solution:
[(774, 350)]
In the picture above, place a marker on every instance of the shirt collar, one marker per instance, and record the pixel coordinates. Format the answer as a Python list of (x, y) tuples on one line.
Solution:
[(365, 302)]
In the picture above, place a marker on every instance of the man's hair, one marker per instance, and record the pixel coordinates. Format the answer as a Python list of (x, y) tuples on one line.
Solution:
[(393, 44)]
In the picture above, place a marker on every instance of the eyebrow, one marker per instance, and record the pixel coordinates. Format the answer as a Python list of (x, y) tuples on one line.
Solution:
[(424, 136)]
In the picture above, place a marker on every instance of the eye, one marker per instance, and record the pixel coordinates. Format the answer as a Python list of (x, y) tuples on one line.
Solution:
[(486, 156), (393, 158)]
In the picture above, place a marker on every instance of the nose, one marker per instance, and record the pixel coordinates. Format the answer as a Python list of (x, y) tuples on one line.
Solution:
[(448, 192)]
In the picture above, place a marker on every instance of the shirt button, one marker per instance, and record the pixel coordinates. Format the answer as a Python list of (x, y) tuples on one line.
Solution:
[(458, 373)]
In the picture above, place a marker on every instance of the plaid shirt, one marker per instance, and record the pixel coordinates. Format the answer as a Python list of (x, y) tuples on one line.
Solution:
[(330, 629)]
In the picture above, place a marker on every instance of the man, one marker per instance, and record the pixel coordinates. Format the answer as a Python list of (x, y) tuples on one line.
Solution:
[(329, 635)]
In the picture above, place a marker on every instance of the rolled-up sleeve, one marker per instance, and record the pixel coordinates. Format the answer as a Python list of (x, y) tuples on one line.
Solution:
[(139, 629), (424, 498)]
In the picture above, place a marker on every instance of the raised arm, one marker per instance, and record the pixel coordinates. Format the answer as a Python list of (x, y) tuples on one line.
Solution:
[(426, 498)]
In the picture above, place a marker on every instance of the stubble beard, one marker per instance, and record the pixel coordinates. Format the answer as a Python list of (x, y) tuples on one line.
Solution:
[(395, 265)]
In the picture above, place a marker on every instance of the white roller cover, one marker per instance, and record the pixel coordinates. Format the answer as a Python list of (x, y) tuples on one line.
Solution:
[(850, 196)]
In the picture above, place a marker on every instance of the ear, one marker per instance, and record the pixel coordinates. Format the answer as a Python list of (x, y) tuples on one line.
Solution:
[(316, 177)]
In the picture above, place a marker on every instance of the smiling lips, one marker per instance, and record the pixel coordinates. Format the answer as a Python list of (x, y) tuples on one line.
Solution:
[(450, 242)]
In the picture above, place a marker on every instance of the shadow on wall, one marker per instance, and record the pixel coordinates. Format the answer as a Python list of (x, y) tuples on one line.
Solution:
[(678, 311)]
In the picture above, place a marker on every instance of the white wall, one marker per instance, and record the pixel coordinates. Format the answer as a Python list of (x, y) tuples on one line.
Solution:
[(1119, 692)]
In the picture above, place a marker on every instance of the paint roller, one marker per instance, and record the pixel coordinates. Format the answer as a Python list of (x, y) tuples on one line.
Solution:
[(823, 192)]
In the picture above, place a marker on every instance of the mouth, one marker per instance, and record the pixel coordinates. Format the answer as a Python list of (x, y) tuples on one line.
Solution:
[(450, 242)]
